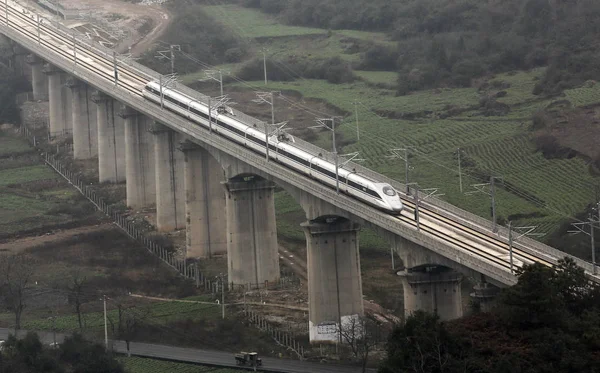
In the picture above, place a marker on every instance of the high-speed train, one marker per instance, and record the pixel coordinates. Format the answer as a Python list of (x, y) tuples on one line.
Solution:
[(281, 148)]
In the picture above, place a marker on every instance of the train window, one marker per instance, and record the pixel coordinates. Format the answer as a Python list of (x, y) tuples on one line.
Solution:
[(389, 191)]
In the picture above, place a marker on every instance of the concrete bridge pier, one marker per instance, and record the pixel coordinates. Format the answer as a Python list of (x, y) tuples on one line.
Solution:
[(434, 289), (139, 159), (19, 60), (84, 118), (169, 173), (334, 278), (484, 295), (111, 142), (39, 82), (57, 120), (205, 204), (252, 253), (431, 282)]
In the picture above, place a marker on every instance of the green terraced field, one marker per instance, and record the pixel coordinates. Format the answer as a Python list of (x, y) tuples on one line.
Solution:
[(146, 365), (552, 188), (378, 77), (583, 96), (250, 23), (499, 145)]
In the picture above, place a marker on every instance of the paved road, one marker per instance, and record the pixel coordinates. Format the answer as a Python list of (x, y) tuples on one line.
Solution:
[(208, 357)]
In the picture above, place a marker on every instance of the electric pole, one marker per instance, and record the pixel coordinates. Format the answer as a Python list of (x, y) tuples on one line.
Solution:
[(212, 75), (105, 324), (510, 246), (524, 231), (115, 66), (402, 153), (169, 54), (492, 193), (460, 185), (222, 296), (267, 98), (355, 103), (264, 53), (592, 221), (322, 123)]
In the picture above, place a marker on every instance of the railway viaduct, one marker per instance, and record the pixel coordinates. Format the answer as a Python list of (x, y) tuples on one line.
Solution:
[(222, 193)]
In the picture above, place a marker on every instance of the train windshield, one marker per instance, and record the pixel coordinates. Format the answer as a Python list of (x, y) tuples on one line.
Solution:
[(389, 191)]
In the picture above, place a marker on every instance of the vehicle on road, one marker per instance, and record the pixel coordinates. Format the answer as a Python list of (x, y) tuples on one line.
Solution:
[(2, 342), (248, 358)]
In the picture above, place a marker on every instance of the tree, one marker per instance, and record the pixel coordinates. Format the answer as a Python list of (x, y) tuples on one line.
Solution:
[(77, 286), (360, 334), (85, 356), (422, 344), (130, 319), (16, 272)]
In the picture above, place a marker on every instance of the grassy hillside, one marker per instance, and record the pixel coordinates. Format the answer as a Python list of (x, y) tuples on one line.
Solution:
[(490, 119), (31, 195)]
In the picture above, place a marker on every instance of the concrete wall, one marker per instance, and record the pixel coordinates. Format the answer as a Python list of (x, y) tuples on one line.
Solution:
[(206, 223), (252, 253), (334, 278)]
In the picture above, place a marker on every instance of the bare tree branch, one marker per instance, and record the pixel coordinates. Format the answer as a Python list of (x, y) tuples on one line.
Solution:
[(16, 272)]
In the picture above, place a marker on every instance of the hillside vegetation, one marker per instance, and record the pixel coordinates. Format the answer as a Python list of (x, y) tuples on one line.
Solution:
[(451, 42), (423, 78)]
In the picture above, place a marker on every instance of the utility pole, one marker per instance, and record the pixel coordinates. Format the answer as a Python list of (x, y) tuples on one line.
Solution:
[(402, 153), (264, 53), (105, 325), (212, 75), (524, 231), (209, 115), (160, 85), (592, 221), (492, 193), (355, 103), (74, 48), (322, 123), (222, 298), (510, 246), (38, 29), (169, 54), (53, 318), (115, 66), (459, 172), (221, 283), (267, 98)]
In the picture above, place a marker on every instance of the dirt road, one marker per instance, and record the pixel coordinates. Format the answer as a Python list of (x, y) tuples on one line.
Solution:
[(144, 23)]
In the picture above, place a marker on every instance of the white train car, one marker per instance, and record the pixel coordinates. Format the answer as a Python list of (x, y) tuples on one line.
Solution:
[(380, 195)]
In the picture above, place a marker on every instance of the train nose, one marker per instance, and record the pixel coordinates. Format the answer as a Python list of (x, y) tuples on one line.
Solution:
[(397, 206)]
